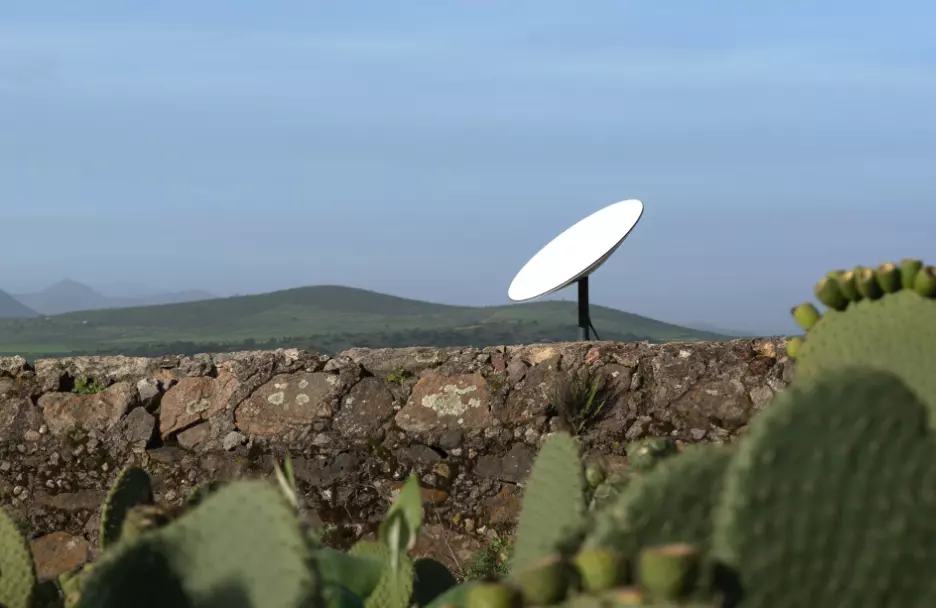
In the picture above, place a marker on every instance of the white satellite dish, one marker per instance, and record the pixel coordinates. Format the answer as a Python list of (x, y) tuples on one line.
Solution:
[(575, 254)]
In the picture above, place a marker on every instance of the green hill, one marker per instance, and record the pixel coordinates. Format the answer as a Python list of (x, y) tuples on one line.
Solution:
[(11, 308), (323, 318)]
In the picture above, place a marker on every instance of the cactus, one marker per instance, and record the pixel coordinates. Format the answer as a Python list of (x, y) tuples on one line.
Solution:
[(891, 326), (828, 500), (600, 569), (644, 454), (668, 572), (359, 573), (395, 588), (553, 512), (545, 582), (493, 595), (17, 571), (132, 487), (431, 580), (673, 503), (241, 545)]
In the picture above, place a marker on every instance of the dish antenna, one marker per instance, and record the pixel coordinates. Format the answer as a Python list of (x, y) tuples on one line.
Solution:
[(575, 254)]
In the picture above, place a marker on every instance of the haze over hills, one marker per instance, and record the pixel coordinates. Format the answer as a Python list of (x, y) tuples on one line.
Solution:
[(12, 308), (70, 296), (325, 318)]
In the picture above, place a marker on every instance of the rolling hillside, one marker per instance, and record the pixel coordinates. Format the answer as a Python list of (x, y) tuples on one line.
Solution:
[(11, 308), (325, 318)]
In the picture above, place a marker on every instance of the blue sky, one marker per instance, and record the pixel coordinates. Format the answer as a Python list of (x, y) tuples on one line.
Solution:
[(427, 149)]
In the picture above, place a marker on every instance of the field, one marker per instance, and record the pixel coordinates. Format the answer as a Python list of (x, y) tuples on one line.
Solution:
[(323, 318)]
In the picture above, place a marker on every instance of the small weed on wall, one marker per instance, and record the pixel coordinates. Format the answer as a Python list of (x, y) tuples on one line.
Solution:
[(85, 386)]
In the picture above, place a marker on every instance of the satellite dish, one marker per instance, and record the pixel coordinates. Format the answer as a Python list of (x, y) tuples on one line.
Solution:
[(575, 254)]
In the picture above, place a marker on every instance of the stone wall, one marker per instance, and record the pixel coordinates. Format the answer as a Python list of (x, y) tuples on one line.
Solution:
[(469, 421)]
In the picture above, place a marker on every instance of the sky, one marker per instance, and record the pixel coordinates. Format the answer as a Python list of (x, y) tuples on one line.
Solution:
[(428, 149)]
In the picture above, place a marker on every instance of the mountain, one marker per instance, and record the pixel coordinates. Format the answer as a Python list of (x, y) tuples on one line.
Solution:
[(71, 296), (327, 319), (11, 308)]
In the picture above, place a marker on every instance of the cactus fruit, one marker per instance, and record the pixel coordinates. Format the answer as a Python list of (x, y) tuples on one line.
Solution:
[(668, 572), (828, 500), (493, 595), (553, 512), (594, 475), (830, 293), (245, 534), (600, 569), (806, 316), (673, 503), (131, 488), (394, 589), (925, 282), (644, 454), (793, 346), (606, 493), (544, 583), (867, 283), (17, 571), (847, 285), (888, 277), (909, 268)]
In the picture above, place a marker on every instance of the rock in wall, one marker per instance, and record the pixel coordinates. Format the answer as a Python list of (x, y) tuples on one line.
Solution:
[(468, 421)]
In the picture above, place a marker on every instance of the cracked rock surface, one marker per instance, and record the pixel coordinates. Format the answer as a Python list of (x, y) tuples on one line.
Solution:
[(468, 421)]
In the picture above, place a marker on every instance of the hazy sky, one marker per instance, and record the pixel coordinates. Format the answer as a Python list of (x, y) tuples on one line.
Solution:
[(427, 149)]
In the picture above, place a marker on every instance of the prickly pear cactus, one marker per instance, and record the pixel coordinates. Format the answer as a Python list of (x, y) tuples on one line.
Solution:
[(242, 546), (883, 318), (554, 508), (673, 503), (17, 572), (431, 579), (644, 454), (131, 488), (829, 500), (394, 590)]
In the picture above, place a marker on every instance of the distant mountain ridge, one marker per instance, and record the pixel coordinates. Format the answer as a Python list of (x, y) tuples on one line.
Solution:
[(323, 318), (12, 308), (71, 296)]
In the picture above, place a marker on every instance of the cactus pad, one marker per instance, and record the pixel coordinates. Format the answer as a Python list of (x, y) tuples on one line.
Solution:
[(895, 332), (17, 571), (829, 499), (553, 511), (393, 590), (132, 487), (673, 503), (242, 546)]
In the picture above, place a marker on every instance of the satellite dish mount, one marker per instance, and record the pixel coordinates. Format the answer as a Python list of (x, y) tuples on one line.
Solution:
[(574, 255)]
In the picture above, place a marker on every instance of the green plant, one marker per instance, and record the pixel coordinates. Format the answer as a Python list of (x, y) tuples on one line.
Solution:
[(580, 399), (86, 386), (399, 376), (490, 562), (883, 318)]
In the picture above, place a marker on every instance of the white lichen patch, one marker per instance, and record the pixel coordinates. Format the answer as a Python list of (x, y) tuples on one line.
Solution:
[(197, 406), (302, 398), (303, 383), (332, 379), (451, 402), (685, 354), (277, 398), (280, 386)]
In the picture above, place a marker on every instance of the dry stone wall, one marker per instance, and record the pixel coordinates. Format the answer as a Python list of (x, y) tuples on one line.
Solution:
[(468, 421)]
